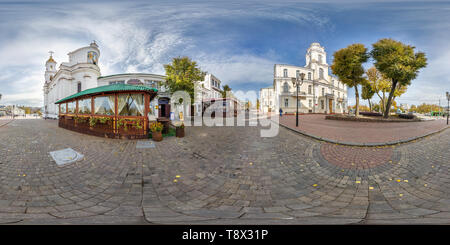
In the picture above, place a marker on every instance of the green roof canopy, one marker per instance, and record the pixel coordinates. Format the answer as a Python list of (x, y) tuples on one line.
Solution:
[(108, 88)]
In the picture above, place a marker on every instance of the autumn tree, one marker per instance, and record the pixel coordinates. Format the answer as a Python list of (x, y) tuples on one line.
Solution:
[(182, 74), (347, 65), (367, 94), (381, 85), (398, 62)]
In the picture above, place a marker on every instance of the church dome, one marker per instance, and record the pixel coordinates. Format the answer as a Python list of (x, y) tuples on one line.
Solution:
[(51, 60)]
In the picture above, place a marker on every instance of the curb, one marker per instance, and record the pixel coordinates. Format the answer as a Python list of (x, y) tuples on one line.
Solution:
[(1, 125), (395, 142)]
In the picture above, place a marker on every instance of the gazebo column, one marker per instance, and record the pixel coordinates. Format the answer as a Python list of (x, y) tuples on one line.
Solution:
[(116, 108), (146, 106)]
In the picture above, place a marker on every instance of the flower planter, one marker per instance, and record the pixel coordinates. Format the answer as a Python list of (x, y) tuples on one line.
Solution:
[(157, 136), (179, 132)]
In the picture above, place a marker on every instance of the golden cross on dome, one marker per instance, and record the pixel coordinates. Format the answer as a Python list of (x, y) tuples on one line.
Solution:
[(51, 53)]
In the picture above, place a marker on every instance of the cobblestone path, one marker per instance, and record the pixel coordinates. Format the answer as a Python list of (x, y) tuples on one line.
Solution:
[(219, 175)]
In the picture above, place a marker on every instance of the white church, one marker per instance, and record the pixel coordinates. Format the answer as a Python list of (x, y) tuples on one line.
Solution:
[(82, 72), (320, 92)]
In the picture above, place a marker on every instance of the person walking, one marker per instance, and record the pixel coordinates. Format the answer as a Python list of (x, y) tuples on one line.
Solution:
[(281, 112)]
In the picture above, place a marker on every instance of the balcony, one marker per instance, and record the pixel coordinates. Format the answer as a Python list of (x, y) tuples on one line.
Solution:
[(294, 94)]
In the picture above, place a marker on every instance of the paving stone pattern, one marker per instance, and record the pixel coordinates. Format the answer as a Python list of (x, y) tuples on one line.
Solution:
[(218, 175)]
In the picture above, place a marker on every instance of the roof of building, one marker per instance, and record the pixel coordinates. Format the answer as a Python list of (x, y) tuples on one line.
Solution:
[(132, 74), (108, 88)]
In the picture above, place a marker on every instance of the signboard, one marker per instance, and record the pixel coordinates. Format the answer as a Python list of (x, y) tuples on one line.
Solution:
[(172, 116)]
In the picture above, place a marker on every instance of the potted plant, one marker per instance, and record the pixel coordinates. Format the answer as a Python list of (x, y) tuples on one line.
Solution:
[(156, 129), (179, 130)]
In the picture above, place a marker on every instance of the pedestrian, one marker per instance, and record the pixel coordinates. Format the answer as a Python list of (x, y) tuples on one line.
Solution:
[(281, 112)]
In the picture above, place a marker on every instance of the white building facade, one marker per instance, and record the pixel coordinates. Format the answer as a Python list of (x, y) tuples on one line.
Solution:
[(266, 100), (82, 72), (209, 88), (320, 92)]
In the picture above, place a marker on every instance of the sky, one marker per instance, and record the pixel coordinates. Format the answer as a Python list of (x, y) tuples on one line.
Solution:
[(237, 41)]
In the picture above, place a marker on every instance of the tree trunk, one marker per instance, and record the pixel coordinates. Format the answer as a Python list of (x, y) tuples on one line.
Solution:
[(370, 105), (381, 105), (357, 101), (389, 101)]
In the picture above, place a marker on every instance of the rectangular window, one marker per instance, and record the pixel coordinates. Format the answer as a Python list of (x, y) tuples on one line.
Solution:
[(131, 104), (322, 104), (286, 102), (309, 75), (309, 89), (323, 91), (104, 105), (62, 108), (285, 74), (79, 87), (339, 94), (84, 106), (310, 103), (71, 106)]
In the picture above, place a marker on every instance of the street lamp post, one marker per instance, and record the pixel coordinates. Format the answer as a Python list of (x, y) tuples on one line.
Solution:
[(298, 81), (448, 103)]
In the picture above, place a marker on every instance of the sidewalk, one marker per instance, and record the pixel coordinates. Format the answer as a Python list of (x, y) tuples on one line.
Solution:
[(361, 133)]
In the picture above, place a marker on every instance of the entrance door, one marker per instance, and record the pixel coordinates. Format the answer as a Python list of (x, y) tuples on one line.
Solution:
[(330, 105), (164, 108)]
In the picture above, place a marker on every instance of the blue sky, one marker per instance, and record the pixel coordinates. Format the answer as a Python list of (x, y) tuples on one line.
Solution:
[(239, 42)]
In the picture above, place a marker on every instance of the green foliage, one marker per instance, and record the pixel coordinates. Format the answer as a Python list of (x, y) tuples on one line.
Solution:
[(104, 120), (92, 121), (426, 108), (225, 90), (80, 119), (398, 62), (347, 65), (181, 75), (122, 122), (156, 127), (171, 132), (367, 92)]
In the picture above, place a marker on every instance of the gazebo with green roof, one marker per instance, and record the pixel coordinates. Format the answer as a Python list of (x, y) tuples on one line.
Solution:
[(114, 111)]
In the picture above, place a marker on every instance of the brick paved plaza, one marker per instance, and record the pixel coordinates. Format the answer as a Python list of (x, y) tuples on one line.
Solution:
[(219, 175), (361, 132)]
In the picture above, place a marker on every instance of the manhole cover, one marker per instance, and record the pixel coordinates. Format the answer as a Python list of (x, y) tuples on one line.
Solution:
[(66, 156)]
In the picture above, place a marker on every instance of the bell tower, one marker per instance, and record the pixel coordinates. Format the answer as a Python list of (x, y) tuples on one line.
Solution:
[(50, 68), (316, 59)]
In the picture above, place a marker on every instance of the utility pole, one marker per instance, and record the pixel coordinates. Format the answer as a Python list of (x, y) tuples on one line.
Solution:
[(448, 105)]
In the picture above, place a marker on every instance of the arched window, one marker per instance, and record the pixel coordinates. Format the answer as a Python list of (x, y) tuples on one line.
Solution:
[(321, 73), (285, 74), (309, 75), (79, 87), (286, 87), (320, 59)]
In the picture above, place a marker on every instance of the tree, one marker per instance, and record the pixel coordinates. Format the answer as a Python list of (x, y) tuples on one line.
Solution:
[(225, 90), (382, 85), (347, 65), (182, 74), (367, 94), (397, 62)]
